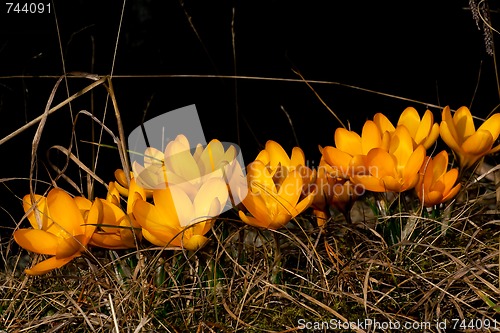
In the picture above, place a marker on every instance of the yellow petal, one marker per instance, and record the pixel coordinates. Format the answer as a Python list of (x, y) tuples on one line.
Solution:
[(48, 265), (401, 146), (111, 216), (64, 212), (110, 241), (37, 241), (94, 217), (211, 157), (151, 218), (277, 154), (298, 157), (160, 237), (152, 156), (371, 137), (411, 170), (338, 159), (348, 141), (411, 120), (214, 189), (70, 246), (369, 183), (380, 163), (195, 242), (392, 184), (464, 123), (446, 130), (451, 134), (492, 125), (478, 144), (452, 193), (383, 123), (259, 177), (432, 137), (433, 198), (41, 210), (182, 164), (449, 179), (304, 204), (121, 177), (290, 190)]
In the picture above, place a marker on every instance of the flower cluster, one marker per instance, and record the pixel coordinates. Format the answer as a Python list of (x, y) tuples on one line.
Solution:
[(171, 201), (174, 198)]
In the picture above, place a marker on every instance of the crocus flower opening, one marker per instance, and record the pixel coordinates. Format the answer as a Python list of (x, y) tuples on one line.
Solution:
[(190, 189), (181, 219), (276, 186), (423, 131), (395, 169), (347, 158), (62, 229), (437, 184), (469, 145), (119, 230)]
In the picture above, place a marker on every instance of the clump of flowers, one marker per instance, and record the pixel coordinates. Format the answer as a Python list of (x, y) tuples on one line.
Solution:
[(61, 228), (436, 184), (275, 187), (459, 133), (174, 197)]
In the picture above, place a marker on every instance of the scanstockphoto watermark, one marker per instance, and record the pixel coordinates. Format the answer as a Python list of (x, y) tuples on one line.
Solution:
[(368, 324), (374, 325)]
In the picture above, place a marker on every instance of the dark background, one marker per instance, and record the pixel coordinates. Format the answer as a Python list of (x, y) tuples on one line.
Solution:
[(430, 52)]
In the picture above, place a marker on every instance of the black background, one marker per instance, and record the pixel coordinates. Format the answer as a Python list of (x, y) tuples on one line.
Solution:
[(430, 52)]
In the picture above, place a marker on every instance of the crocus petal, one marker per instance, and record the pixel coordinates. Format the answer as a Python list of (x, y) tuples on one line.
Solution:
[(449, 179), (451, 131), (182, 164), (121, 177), (492, 125), (259, 177), (401, 146), (152, 156), (111, 216), (41, 211), (452, 193), (151, 218), (446, 130), (195, 242), (70, 246), (391, 184), (338, 159), (290, 190), (211, 157), (348, 141), (160, 237), (411, 120), (110, 241), (297, 157), (383, 123), (369, 183), (257, 206), (48, 265), (304, 204), (64, 212), (380, 163), (464, 123), (37, 241), (410, 172), (478, 144), (214, 189), (277, 154), (371, 137)]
